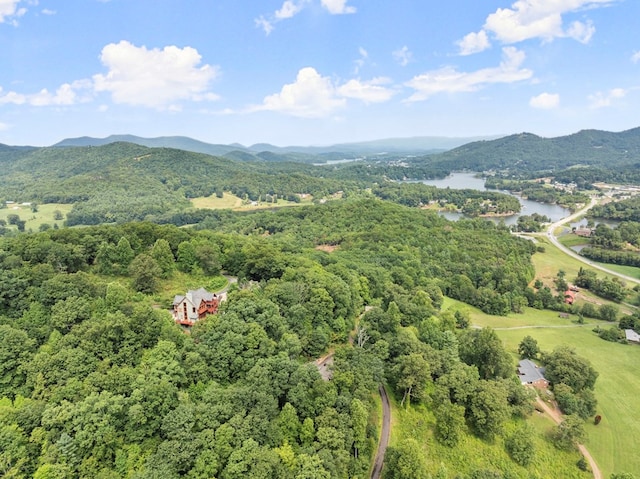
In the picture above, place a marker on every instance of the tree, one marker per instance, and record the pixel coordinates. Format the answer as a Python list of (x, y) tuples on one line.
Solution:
[(161, 252), (449, 423), (488, 408), (528, 348), (411, 373), (569, 432), (563, 365), (520, 445), (483, 349), (406, 461), (609, 312), (144, 271)]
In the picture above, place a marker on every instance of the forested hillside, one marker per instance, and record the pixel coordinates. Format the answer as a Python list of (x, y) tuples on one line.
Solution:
[(99, 382), (526, 152)]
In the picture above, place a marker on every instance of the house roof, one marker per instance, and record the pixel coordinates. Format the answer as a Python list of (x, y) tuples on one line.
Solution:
[(194, 296), (631, 335), (529, 372)]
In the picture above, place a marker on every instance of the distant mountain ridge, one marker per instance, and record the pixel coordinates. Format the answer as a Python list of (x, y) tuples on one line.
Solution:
[(414, 145), (529, 152)]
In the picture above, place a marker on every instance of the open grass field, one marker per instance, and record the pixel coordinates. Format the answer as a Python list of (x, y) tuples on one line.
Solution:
[(613, 443), (233, 202), (473, 453), (45, 214)]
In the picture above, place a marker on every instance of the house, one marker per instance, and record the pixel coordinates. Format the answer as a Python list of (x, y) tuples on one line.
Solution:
[(531, 374), (195, 305), (632, 336), (569, 297)]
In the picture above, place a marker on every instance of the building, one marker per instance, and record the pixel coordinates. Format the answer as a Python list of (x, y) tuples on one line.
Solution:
[(530, 374), (632, 336), (195, 305)]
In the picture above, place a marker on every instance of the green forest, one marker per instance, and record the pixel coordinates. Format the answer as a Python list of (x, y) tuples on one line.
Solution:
[(98, 381)]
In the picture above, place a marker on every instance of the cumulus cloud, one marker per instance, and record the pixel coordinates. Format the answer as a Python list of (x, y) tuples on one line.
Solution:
[(47, 11), (372, 91), (290, 8), (635, 58), (66, 94), (474, 43), (450, 80), (527, 19), (9, 11), (338, 7), (403, 56), (545, 101), (310, 96), (315, 96), (154, 78), (605, 99)]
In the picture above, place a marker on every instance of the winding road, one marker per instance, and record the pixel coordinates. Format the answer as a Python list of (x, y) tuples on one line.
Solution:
[(557, 418), (575, 255), (376, 473)]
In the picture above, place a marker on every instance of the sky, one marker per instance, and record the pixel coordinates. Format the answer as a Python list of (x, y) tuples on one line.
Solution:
[(315, 72)]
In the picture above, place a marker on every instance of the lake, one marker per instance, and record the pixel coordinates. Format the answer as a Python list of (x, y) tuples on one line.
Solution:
[(461, 181)]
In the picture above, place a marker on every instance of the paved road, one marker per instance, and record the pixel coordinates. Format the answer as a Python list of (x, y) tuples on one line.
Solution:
[(384, 434), (575, 255)]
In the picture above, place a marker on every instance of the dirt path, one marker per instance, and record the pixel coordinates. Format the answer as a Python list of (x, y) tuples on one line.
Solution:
[(384, 434), (557, 417)]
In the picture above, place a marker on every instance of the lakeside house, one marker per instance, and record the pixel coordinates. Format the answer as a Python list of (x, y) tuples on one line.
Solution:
[(195, 305)]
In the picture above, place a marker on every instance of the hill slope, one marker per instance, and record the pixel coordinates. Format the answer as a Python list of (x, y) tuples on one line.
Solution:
[(529, 152)]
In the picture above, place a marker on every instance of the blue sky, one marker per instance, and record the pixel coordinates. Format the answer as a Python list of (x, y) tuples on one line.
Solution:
[(315, 72)]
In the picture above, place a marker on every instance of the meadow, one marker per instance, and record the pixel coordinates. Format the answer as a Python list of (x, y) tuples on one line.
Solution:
[(34, 219), (613, 442), (233, 202)]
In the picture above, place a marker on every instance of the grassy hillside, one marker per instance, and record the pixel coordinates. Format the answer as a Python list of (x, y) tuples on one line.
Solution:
[(613, 441)]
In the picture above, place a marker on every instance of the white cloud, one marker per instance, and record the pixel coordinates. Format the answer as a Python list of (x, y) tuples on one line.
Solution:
[(474, 43), (310, 96), (289, 9), (265, 24), (364, 55), (605, 99), (47, 11), (315, 96), (9, 11), (372, 91), (338, 7), (545, 101), (403, 56), (3, 126), (450, 80), (66, 94), (635, 58), (154, 78), (527, 19)]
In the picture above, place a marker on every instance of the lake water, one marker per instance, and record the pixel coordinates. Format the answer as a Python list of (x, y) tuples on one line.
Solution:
[(460, 181)]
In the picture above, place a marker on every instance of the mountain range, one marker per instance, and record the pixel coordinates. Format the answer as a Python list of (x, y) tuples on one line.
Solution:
[(414, 145)]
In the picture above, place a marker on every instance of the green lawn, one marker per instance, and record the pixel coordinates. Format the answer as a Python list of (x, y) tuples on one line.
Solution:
[(613, 442), (44, 214), (233, 202)]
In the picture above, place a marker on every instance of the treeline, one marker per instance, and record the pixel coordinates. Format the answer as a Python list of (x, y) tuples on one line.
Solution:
[(623, 210), (535, 191), (469, 202)]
